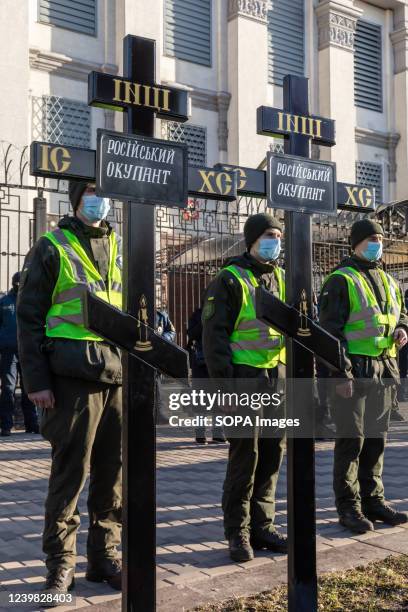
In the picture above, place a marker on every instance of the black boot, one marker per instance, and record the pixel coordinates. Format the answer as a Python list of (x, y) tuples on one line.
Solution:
[(355, 520), (58, 582), (239, 547), (106, 570), (384, 513), (269, 539)]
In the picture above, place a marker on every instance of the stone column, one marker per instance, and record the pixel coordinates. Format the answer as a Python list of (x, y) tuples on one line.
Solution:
[(337, 25), (248, 77), (399, 39)]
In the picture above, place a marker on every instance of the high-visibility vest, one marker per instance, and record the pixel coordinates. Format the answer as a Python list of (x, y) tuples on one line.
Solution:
[(78, 274), (368, 331), (253, 342)]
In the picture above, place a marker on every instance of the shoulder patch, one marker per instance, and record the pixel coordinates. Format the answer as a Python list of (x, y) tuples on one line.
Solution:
[(209, 309)]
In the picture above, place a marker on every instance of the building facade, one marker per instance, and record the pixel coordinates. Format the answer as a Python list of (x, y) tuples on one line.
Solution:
[(231, 55)]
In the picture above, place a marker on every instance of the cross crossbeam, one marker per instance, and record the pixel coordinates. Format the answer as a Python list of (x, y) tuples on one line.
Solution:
[(223, 182), (133, 335), (299, 326)]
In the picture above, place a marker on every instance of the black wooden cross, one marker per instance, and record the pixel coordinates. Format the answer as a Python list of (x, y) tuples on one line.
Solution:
[(299, 128), (138, 94)]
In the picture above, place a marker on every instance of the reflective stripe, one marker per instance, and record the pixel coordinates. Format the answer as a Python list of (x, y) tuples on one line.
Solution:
[(117, 286), (77, 267), (70, 294), (77, 319), (262, 344), (254, 325), (364, 333)]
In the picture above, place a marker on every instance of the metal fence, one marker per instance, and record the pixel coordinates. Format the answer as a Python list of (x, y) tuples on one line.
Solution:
[(191, 244)]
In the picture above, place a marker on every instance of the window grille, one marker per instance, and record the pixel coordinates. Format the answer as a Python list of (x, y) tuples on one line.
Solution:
[(370, 174), (187, 30), (277, 147), (192, 135), (61, 121), (368, 66), (77, 15), (286, 32)]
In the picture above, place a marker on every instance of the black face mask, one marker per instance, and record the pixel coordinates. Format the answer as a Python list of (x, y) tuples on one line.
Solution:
[(15, 288)]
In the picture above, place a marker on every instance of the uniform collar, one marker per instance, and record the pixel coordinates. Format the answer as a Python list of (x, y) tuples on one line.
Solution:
[(75, 224), (258, 267)]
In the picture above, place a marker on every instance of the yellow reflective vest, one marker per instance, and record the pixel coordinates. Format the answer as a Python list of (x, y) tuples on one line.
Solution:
[(78, 274), (253, 342), (368, 331)]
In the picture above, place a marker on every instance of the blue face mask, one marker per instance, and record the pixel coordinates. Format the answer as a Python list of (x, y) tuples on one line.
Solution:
[(269, 248), (95, 208), (373, 251)]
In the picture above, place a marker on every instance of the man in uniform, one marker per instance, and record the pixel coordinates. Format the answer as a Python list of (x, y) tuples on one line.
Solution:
[(74, 378), (237, 345), (363, 307), (10, 366)]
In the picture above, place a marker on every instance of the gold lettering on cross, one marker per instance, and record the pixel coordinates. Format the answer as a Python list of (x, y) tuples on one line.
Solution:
[(352, 199), (223, 187), (293, 123), (318, 125), (365, 196), (55, 159), (118, 84), (60, 159), (207, 186)]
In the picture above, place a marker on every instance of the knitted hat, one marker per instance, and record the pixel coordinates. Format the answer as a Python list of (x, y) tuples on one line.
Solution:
[(75, 191), (256, 225), (361, 230)]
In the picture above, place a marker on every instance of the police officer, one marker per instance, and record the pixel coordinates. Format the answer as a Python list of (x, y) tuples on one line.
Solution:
[(237, 345), (10, 366), (363, 307), (74, 378)]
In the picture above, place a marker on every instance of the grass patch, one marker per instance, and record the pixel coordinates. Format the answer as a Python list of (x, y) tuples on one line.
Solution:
[(380, 586)]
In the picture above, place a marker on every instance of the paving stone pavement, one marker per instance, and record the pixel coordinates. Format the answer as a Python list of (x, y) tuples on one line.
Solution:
[(191, 546)]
